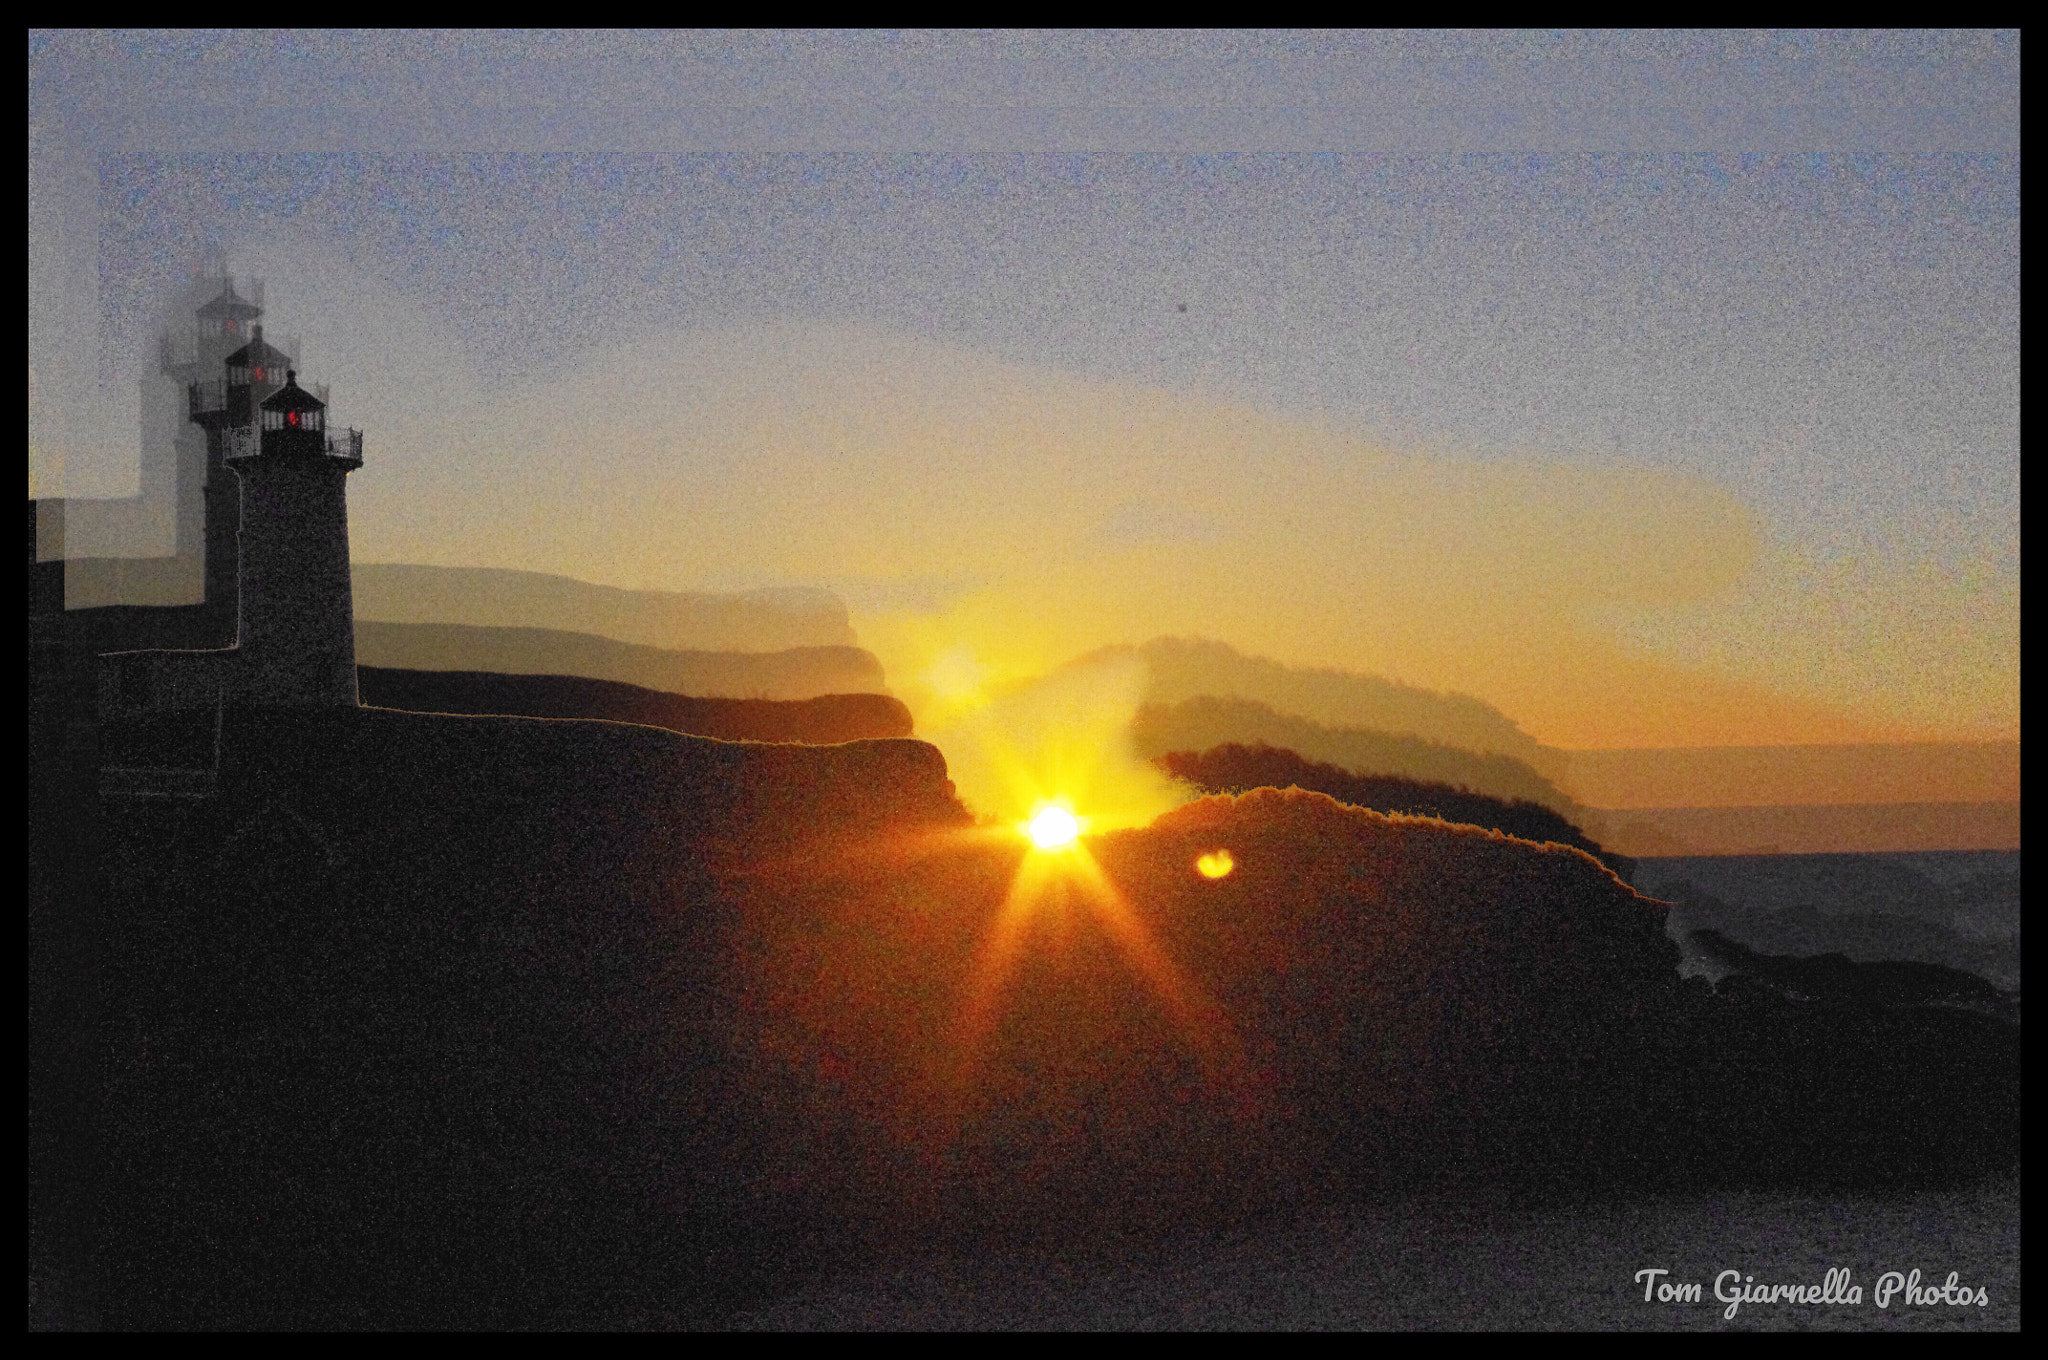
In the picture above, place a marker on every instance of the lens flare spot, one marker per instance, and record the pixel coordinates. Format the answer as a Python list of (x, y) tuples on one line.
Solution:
[(1215, 864), (1052, 827)]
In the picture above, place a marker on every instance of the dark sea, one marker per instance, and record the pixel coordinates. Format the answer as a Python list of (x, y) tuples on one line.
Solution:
[(1440, 1264), (1958, 908)]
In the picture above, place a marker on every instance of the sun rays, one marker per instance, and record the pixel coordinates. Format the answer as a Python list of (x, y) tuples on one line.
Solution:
[(1057, 869)]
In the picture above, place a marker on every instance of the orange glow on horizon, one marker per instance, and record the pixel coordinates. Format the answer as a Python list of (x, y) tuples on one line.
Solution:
[(1600, 605)]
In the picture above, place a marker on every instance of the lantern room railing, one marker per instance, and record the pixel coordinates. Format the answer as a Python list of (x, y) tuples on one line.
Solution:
[(246, 442)]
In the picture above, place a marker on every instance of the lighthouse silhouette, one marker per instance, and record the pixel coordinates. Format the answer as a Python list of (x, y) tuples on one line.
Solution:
[(296, 629), (277, 556)]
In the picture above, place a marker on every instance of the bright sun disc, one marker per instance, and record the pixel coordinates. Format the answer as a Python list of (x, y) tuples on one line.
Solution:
[(1053, 827), (1215, 864)]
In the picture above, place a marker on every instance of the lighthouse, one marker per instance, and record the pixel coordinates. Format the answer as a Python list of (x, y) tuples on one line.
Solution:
[(296, 614), (277, 557), (223, 325)]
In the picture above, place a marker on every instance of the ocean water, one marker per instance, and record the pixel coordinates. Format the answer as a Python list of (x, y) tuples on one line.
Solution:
[(1438, 1265), (1957, 908)]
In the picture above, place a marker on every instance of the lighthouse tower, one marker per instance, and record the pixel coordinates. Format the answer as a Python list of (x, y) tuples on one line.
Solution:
[(224, 330), (297, 616)]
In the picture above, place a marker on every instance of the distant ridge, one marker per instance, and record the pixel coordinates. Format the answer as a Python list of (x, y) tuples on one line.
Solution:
[(1189, 668), (491, 597), (795, 673), (1200, 723), (1814, 799), (1731, 777), (1236, 768)]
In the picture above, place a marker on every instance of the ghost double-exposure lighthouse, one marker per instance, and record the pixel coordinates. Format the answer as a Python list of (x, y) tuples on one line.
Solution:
[(276, 531)]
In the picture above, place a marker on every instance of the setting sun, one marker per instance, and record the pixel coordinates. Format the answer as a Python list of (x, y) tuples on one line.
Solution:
[(1053, 827), (1216, 864)]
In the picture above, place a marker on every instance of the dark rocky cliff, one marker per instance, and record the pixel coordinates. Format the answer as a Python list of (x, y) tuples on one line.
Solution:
[(481, 1021), (824, 720)]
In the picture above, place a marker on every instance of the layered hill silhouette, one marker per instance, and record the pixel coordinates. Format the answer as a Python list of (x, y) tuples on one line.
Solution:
[(489, 597), (823, 720), (487, 1021), (795, 673), (1189, 668), (1237, 768), (1206, 721), (1650, 802)]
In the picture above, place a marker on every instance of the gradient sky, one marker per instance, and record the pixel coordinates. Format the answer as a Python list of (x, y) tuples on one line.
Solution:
[(1660, 389)]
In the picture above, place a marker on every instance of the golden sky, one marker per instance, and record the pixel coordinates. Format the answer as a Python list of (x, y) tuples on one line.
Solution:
[(989, 520)]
